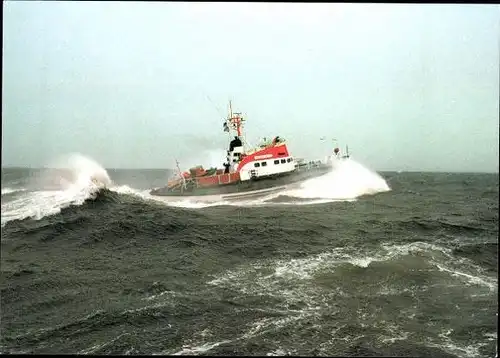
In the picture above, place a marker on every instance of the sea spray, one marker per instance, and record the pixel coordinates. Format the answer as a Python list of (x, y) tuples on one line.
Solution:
[(209, 158), (83, 169), (71, 184), (6, 191), (347, 180), (69, 180)]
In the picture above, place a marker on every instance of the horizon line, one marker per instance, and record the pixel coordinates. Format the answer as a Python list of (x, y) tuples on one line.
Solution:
[(377, 170)]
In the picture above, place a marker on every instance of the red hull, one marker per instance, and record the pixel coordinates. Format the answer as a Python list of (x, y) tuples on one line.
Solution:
[(218, 179)]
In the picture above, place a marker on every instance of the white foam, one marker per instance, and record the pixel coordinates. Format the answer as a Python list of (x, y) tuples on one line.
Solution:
[(97, 347), (471, 279), (275, 277), (450, 346), (300, 268), (83, 169), (401, 337), (444, 261), (278, 352), (414, 247), (292, 281), (43, 203), (11, 190), (190, 202), (256, 328), (491, 336), (72, 190), (362, 261), (147, 308), (199, 349), (347, 180)]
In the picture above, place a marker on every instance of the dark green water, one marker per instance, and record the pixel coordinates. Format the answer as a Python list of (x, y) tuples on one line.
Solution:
[(407, 272)]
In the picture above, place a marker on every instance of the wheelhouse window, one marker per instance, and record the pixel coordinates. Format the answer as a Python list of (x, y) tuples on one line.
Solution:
[(256, 165), (276, 161), (263, 164), (283, 161), (288, 160)]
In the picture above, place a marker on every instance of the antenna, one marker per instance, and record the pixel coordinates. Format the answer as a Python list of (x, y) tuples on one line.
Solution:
[(215, 106)]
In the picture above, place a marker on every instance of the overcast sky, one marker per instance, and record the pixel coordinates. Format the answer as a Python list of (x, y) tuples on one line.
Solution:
[(135, 85)]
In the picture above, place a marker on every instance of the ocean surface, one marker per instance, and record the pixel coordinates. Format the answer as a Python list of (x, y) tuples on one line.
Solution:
[(354, 263)]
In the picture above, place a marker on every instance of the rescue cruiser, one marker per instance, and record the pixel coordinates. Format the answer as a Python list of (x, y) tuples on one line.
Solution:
[(247, 171)]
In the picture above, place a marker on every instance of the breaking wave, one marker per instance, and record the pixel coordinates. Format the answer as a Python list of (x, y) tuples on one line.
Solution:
[(347, 180), (70, 181), (350, 281), (74, 178), (7, 191)]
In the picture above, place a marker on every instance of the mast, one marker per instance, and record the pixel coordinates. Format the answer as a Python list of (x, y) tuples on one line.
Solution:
[(235, 120), (180, 174)]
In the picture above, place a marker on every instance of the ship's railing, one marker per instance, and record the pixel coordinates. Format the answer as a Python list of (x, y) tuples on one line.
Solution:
[(180, 184), (264, 146), (308, 165)]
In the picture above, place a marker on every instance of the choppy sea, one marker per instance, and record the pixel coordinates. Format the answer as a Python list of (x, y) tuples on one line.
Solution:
[(353, 263)]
